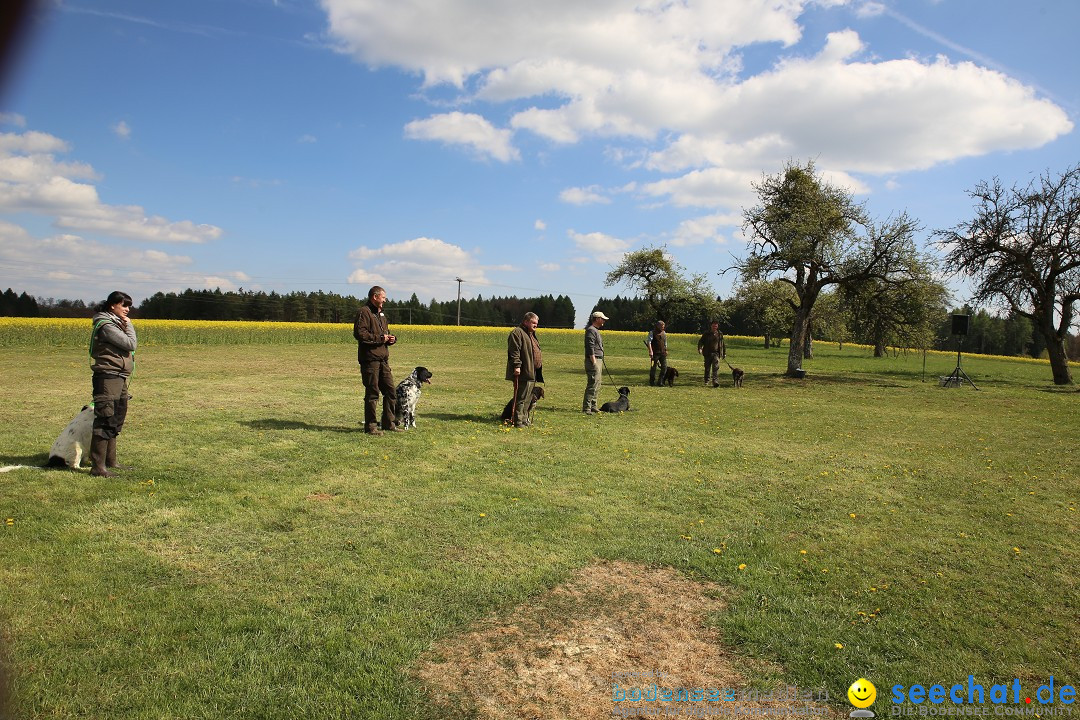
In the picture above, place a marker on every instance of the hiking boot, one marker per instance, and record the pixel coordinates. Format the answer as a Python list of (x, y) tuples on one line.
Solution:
[(373, 430)]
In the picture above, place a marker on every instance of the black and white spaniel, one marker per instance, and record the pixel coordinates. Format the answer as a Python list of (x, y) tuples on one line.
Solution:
[(408, 392)]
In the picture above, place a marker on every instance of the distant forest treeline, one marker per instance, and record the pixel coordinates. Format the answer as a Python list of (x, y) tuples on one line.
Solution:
[(307, 307), (987, 333)]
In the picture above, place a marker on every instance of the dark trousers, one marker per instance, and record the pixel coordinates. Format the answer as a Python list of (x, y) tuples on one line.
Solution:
[(712, 366), (110, 404), (659, 363), (524, 402), (378, 379)]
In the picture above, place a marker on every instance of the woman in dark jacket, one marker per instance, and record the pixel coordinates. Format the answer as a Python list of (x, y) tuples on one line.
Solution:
[(112, 358)]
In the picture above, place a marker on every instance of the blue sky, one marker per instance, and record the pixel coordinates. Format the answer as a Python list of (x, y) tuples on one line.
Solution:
[(522, 146)]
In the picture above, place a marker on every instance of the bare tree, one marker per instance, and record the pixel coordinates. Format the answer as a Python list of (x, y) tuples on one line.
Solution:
[(1022, 249), (813, 235)]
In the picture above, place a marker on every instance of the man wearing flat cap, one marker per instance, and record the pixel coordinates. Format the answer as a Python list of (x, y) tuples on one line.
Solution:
[(594, 361)]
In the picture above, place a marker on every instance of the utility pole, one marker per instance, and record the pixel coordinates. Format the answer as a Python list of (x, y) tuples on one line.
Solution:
[(459, 281)]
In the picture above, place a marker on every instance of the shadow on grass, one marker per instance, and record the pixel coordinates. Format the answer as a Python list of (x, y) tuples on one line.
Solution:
[(490, 418), (1060, 389), (275, 424), (38, 460), (899, 380)]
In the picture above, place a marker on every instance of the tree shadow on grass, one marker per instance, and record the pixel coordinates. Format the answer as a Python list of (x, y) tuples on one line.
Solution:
[(882, 380), (276, 424)]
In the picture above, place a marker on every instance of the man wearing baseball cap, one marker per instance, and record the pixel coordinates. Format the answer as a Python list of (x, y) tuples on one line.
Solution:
[(594, 360)]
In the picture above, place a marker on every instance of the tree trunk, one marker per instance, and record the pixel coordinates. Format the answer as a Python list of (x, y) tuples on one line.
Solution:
[(808, 350), (768, 340), (879, 348), (1059, 360), (799, 331)]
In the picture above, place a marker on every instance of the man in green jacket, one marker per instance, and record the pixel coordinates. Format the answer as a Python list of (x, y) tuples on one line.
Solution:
[(524, 366), (711, 347)]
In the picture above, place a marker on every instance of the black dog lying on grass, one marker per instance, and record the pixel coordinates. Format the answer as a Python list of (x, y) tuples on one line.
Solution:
[(508, 411), (620, 405)]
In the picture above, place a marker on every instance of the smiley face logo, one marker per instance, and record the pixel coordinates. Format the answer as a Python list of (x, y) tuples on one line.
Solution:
[(862, 693)]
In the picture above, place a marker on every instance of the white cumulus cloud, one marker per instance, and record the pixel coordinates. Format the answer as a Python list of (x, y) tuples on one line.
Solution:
[(33, 180), (427, 266), (600, 247), (667, 79), (584, 196), (468, 129)]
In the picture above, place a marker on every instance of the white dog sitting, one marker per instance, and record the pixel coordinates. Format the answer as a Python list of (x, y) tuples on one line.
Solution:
[(74, 441)]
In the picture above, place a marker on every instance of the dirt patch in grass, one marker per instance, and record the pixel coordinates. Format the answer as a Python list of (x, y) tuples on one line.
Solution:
[(562, 655)]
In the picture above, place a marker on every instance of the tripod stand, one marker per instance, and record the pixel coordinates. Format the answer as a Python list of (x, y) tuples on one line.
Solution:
[(958, 375)]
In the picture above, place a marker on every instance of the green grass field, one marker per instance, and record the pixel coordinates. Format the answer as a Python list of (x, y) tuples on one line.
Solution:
[(266, 559)]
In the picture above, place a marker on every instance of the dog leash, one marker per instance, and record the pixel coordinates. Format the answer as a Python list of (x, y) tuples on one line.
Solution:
[(607, 371), (513, 412)]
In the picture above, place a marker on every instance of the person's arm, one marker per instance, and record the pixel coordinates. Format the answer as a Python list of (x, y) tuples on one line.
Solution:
[(513, 351), (119, 333), (700, 345), (366, 331), (590, 344)]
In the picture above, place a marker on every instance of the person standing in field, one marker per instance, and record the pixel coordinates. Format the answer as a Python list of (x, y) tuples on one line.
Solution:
[(524, 366), (658, 353), (594, 359), (711, 348), (112, 360), (373, 339)]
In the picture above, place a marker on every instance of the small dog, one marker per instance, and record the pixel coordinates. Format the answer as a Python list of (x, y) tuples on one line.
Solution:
[(408, 392), (74, 441), (620, 405), (736, 374), (669, 377), (508, 411)]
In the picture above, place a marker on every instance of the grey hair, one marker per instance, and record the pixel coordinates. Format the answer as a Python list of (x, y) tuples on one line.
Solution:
[(530, 316)]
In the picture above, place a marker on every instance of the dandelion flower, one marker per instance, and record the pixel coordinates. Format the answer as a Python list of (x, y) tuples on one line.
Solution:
[(717, 550), (851, 515), (483, 514), (802, 552), (742, 566), (838, 646), (1016, 550)]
